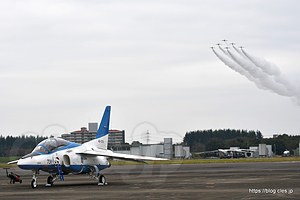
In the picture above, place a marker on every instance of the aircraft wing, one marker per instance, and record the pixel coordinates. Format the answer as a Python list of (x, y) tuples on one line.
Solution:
[(122, 156), (12, 162), (204, 152)]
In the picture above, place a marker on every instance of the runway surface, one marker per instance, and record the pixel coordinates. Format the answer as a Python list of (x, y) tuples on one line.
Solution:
[(276, 180)]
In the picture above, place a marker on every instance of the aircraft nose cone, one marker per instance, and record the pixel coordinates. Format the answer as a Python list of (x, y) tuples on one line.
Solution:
[(22, 161), (25, 163)]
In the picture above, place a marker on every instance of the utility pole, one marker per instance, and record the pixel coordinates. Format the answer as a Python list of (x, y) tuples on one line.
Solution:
[(147, 136)]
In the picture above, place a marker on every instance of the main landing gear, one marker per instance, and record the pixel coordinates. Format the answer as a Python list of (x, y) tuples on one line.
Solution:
[(102, 180), (51, 179), (94, 173)]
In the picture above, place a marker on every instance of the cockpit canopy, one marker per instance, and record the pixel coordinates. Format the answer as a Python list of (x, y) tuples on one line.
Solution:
[(50, 145)]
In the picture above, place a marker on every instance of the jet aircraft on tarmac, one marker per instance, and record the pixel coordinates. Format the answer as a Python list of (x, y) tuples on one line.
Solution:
[(60, 157), (229, 153)]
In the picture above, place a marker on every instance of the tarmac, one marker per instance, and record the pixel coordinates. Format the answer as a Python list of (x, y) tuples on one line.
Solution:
[(258, 180)]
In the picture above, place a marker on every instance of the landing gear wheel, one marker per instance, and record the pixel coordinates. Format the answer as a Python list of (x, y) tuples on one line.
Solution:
[(50, 180), (102, 180), (33, 183)]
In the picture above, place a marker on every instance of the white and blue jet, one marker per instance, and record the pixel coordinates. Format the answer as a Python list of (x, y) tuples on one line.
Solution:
[(60, 157)]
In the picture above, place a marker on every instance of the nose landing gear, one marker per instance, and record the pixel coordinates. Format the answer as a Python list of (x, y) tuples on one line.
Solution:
[(34, 177)]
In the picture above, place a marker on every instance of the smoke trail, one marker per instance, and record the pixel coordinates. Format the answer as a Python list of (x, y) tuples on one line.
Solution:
[(266, 66), (264, 80), (239, 51), (264, 74), (237, 68), (223, 50), (272, 69)]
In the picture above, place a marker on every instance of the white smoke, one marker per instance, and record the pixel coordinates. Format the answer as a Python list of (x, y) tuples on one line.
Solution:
[(264, 74)]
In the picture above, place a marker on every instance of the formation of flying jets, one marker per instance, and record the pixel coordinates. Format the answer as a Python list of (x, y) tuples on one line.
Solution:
[(227, 48)]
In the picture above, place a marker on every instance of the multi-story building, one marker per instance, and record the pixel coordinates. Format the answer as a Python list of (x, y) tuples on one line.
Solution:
[(81, 136), (115, 137)]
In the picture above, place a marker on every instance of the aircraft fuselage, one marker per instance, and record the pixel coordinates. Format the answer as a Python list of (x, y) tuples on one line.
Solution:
[(66, 158)]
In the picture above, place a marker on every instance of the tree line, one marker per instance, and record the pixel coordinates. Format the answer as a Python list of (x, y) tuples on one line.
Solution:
[(18, 145), (207, 140)]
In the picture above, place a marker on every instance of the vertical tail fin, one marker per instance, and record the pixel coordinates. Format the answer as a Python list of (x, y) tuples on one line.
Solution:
[(104, 125), (101, 139)]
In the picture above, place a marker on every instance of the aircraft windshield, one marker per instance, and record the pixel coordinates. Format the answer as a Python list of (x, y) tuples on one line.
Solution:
[(40, 149), (50, 145)]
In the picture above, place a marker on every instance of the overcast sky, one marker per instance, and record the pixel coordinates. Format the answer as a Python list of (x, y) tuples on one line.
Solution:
[(62, 62)]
